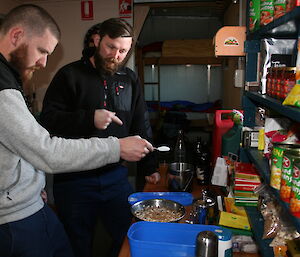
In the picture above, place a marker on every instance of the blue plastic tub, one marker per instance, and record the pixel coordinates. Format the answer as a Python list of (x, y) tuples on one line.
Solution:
[(183, 198), (155, 239)]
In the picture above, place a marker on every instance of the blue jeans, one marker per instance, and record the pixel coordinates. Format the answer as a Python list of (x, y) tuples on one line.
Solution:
[(81, 201), (39, 235)]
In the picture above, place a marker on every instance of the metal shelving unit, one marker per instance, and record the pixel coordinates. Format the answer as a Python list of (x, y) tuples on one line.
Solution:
[(287, 27), (256, 220), (253, 99), (262, 165)]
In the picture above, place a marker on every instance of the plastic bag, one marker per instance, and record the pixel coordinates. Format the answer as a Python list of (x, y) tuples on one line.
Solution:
[(272, 226), (293, 97)]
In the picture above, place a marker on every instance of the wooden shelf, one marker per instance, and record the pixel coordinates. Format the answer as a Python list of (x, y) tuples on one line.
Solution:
[(182, 60)]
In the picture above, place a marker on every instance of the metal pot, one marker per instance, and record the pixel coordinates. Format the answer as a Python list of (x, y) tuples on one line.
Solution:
[(143, 206), (180, 176)]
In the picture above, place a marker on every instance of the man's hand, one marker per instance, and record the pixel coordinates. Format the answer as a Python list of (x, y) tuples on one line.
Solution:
[(44, 195), (153, 178), (134, 148), (102, 118)]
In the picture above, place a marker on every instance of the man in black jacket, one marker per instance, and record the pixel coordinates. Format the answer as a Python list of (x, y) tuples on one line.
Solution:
[(82, 101)]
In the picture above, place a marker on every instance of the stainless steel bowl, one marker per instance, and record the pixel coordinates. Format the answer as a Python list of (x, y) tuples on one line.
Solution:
[(142, 207)]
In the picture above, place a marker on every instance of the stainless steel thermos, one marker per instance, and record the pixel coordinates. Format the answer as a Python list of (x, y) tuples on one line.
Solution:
[(206, 244)]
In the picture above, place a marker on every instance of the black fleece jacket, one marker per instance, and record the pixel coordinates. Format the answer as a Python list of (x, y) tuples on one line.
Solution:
[(77, 90)]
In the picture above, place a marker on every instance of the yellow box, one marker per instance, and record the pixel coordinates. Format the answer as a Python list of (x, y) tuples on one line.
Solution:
[(234, 221), (232, 208)]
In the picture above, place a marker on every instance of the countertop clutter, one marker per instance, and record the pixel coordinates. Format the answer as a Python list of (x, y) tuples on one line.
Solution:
[(270, 104), (162, 186)]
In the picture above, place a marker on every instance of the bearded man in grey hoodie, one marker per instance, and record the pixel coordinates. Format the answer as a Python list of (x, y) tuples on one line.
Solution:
[(28, 228)]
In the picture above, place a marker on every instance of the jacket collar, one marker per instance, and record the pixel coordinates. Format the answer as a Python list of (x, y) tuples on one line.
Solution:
[(15, 73)]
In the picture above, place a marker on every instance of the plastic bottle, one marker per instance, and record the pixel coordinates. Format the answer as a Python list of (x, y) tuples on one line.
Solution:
[(179, 150)]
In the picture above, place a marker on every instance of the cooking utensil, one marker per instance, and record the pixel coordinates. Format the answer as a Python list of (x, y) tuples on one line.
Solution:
[(158, 204), (162, 148)]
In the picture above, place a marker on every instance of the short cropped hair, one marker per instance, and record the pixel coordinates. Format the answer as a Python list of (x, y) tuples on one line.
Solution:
[(34, 19)]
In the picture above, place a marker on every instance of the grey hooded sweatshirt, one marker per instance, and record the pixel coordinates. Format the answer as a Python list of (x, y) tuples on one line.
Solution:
[(27, 151)]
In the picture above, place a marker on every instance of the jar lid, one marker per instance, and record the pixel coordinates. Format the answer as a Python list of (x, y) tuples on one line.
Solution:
[(205, 203)]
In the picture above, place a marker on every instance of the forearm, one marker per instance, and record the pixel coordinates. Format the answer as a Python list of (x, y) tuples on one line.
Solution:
[(26, 138)]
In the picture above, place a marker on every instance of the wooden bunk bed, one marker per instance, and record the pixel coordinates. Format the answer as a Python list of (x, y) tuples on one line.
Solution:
[(179, 52)]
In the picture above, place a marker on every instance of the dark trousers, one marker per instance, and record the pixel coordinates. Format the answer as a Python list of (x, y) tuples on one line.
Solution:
[(39, 235), (81, 201)]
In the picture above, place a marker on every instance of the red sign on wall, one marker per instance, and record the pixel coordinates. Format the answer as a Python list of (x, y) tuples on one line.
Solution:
[(125, 8), (87, 12)]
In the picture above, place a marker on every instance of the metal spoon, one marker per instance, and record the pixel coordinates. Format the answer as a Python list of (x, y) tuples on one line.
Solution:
[(162, 148)]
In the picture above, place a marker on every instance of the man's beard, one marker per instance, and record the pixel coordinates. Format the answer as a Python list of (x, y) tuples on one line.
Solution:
[(19, 60), (108, 66)]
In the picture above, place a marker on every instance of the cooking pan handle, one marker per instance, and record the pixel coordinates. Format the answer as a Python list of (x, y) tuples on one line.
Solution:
[(187, 184)]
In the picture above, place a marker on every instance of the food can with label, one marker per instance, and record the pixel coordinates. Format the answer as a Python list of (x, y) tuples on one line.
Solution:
[(295, 194), (289, 156), (276, 162), (276, 165)]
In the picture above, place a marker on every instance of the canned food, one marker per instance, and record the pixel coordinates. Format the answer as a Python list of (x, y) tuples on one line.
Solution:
[(276, 165), (289, 157), (295, 194)]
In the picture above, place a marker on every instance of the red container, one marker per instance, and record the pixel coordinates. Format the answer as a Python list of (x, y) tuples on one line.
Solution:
[(222, 124)]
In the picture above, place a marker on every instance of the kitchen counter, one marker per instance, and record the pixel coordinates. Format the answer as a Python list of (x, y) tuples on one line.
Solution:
[(162, 187)]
